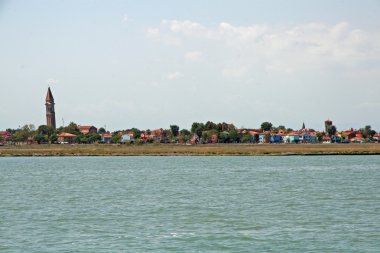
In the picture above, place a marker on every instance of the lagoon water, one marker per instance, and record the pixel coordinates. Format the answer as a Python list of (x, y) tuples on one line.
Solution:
[(190, 204)]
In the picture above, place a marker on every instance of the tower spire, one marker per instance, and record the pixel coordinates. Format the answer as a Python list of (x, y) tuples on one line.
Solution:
[(49, 96)]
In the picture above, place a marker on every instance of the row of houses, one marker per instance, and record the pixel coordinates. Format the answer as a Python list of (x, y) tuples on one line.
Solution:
[(301, 136), (306, 135), (70, 138)]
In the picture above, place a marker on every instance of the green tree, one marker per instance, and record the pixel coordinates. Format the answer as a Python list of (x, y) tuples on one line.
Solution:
[(221, 127), (281, 127), (197, 128), (24, 133), (210, 125), (185, 135), (72, 128), (10, 130), (174, 130), (53, 137), (101, 130), (224, 137), (40, 138), (234, 136), (45, 130), (136, 133), (367, 132), (83, 139), (205, 137), (93, 137), (266, 126), (331, 130), (319, 136), (246, 138), (115, 138)]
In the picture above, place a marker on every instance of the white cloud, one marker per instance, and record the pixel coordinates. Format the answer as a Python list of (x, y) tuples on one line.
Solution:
[(193, 56), (287, 49), (155, 34), (185, 27), (173, 76)]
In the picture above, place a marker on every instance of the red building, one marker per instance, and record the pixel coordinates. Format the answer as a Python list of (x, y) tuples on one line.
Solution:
[(88, 129), (5, 136)]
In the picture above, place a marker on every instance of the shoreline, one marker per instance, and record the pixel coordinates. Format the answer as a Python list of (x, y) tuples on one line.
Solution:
[(191, 150)]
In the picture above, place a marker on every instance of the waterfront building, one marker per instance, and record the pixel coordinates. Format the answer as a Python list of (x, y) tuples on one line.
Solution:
[(66, 138), (88, 129)]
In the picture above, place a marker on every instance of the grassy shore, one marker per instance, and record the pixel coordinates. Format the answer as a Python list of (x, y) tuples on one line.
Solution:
[(195, 150)]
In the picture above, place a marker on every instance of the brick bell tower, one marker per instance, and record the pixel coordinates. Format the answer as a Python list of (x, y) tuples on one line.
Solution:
[(50, 113)]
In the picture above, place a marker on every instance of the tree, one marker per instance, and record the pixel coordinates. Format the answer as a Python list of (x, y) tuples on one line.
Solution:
[(115, 138), (303, 125), (72, 128), (45, 133), (174, 130), (246, 138), (53, 138), (136, 133), (45, 130), (210, 125), (331, 130), (197, 128), (93, 137), (10, 130), (281, 127), (184, 132), (234, 136), (319, 136), (205, 137), (40, 138), (24, 133), (266, 126), (367, 132), (224, 137), (289, 129), (101, 130), (221, 127), (184, 135)]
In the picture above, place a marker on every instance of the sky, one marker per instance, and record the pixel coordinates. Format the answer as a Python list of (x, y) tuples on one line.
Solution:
[(152, 64)]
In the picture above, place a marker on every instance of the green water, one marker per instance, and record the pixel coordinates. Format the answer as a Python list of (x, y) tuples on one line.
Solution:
[(190, 204)]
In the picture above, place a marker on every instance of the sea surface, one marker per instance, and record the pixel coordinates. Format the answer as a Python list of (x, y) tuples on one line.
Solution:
[(190, 204)]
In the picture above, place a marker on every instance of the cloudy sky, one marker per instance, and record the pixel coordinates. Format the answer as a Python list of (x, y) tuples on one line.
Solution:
[(150, 64)]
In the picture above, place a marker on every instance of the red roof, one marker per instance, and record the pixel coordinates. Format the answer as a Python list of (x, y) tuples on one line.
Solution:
[(66, 135), (85, 127), (359, 135)]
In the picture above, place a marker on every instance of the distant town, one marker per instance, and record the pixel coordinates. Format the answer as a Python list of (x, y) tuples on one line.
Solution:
[(199, 133)]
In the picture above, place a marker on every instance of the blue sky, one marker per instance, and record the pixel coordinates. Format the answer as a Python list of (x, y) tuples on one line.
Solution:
[(149, 64)]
